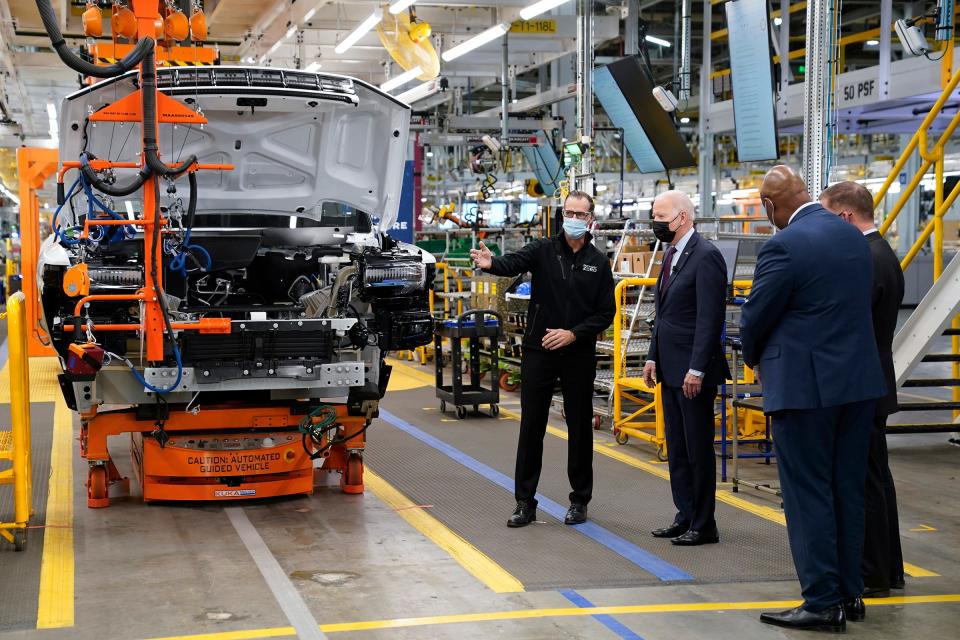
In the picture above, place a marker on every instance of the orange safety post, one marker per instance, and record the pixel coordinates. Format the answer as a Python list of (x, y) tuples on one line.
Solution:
[(34, 166)]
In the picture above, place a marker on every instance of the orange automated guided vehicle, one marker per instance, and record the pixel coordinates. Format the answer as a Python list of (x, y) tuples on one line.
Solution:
[(227, 300)]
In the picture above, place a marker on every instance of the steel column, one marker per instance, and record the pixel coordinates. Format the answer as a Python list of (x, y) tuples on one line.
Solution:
[(886, 20), (584, 180), (815, 116), (631, 36), (705, 165)]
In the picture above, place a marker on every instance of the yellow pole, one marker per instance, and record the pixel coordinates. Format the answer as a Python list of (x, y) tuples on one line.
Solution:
[(938, 217), (19, 408)]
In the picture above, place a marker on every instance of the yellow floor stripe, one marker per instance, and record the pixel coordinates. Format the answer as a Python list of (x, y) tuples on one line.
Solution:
[(43, 380), (566, 612), (55, 603), (470, 558), (767, 513)]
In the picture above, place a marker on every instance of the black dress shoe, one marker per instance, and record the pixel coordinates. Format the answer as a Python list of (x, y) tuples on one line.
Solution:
[(524, 514), (576, 514), (854, 609), (831, 619), (696, 538), (672, 531), (876, 592)]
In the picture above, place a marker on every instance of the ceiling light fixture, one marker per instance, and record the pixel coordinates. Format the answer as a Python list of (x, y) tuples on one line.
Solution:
[(9, 193), (872, 43), (475, 42), (313, 66), (656, 40), (360, 31), (777, 22), (540, 7), (420, 91), (402, 79), (400, 5)]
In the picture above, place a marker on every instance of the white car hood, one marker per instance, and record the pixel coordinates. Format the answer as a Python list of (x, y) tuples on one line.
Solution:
[(318, 137)]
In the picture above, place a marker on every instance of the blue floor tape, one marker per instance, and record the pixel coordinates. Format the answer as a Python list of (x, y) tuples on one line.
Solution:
[(640, 557), (606, 620)]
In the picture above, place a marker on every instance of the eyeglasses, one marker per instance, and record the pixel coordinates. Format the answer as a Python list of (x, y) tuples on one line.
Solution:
[(579, 215)]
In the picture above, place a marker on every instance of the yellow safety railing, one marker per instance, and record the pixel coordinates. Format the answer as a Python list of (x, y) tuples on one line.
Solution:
[(625, 386), (929, 156), (15, 444)]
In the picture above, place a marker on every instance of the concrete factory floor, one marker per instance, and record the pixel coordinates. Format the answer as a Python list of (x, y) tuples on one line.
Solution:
[(425, 553)]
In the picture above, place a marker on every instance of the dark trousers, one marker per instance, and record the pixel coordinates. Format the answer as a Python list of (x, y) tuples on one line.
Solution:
[(882, 557), (693, 467), (822, 460), (539, 373)]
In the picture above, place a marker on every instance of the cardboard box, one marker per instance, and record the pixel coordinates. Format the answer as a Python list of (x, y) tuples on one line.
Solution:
[(626, 263), (641, 261)]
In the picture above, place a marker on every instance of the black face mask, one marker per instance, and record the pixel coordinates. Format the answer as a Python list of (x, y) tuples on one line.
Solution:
[(662, 230)]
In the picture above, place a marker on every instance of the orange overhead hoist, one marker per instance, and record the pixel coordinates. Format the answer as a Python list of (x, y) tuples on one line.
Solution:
[(268, 447)]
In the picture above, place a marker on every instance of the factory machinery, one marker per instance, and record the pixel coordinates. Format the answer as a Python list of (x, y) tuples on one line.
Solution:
[(234, 315)]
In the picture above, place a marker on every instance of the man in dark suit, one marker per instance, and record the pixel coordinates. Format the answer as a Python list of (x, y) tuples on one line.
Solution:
[(807, 327), (882, 557), (686, 357)]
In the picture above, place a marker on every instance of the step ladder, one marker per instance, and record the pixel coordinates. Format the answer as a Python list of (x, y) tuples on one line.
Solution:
[(911, 348)]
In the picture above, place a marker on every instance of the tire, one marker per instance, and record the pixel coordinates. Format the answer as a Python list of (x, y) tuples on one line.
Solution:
[(20, 539), (494, 410), (597, 423), (662, 453), (461, 412), (621, 437), (97, 483)]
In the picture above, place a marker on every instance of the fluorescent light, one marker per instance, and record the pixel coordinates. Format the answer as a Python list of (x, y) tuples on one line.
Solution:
[(656, 40), (293, 222), (249, 60), (313, 66), (420, 91), (684, 120), (872, 43), (129, 206), (8, 193), (402, 79), (464, 48), (429, 154), (400, 5), (360, 31), (540, 7), (310, 14), (777, 21), (289, 34), (423, 199), (276, 45)]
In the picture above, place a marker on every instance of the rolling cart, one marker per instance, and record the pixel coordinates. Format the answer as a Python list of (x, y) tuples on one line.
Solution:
[(471, 325)]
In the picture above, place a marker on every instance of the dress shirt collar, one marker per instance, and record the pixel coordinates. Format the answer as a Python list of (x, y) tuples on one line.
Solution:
[(682, 242), (799, 209), (871, 230)]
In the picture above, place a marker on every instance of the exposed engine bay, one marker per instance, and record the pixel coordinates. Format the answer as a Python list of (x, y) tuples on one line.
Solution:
[(283, 261)]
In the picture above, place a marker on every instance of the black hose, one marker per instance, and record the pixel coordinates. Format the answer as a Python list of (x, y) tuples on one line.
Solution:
[(157, 257), (79, 65), (192, 202), (116, 190), (148, 86)]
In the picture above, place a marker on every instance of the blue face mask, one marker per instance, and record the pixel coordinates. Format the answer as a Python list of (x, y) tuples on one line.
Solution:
[(574, 227)]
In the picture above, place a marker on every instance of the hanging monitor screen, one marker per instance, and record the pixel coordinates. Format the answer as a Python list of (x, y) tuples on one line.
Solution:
[(649, 134), (754, 108), (545, 164)]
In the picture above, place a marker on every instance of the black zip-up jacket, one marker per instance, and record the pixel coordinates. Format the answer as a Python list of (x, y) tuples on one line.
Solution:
[(569, 290)]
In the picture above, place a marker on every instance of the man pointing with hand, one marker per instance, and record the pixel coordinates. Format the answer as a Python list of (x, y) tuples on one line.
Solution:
[(570, 303)]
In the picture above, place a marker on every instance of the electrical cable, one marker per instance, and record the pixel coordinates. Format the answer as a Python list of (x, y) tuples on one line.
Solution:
[(179, 261), (125, 64)]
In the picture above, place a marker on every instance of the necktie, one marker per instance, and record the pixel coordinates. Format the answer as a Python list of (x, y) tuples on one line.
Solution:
[(667, 264)]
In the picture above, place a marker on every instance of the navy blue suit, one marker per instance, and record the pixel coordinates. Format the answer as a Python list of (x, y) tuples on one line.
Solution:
[(807, 325), (689, 323)]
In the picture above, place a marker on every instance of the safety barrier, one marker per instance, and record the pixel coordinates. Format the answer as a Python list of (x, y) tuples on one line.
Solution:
[(15, 444)]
